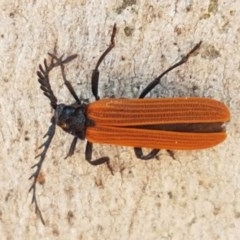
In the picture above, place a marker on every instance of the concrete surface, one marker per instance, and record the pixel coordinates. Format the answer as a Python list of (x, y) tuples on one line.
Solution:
[(196, 196)]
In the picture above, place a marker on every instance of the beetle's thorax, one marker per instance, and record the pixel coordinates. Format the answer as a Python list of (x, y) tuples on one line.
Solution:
[(71, 118)]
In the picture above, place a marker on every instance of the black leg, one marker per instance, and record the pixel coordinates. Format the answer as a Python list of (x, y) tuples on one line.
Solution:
[(66, 82), (150, 86), (72, 147), (150, 155), (156, 81), (95, 74), (171, 153), (88, 155)]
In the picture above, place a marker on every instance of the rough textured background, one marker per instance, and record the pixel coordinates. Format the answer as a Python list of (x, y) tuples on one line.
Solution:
[(197, 196)]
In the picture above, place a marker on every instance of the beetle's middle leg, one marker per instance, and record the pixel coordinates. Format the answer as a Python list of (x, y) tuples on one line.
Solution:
[(99, 161)]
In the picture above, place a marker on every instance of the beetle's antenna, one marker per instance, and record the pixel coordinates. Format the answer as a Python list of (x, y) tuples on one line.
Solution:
[(43, 78), (50, 133)]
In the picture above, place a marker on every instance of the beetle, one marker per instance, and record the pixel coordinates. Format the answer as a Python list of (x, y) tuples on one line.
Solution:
[(169, 123)]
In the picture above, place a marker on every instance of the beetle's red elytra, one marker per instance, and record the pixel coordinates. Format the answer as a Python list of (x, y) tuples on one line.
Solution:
[(169, 123)]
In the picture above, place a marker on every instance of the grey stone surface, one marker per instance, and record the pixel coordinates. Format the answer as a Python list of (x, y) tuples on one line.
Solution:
[(197, 196)]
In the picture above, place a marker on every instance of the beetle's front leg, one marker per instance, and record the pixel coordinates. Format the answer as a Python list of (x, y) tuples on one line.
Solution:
[(61, 62), (95, 73), (72, 147)]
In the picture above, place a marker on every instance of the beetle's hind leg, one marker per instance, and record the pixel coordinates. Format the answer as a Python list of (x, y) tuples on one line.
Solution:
[(156, 81), (150, 155), (139, 153), (149, 88), (171, 154)]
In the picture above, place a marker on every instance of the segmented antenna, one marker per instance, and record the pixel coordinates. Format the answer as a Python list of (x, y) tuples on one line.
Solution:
[(43, 78), (50, 133)]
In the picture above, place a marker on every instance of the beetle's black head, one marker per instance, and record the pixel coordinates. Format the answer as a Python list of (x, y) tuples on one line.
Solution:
[(71, 118)]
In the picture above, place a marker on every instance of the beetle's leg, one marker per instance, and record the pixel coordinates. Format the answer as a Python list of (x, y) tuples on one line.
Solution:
[(66, 82), (69, 85), (88, 156), (150, 86), (72, 147), (171, 153), (95, 73), (150, 155), (156, 81)]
